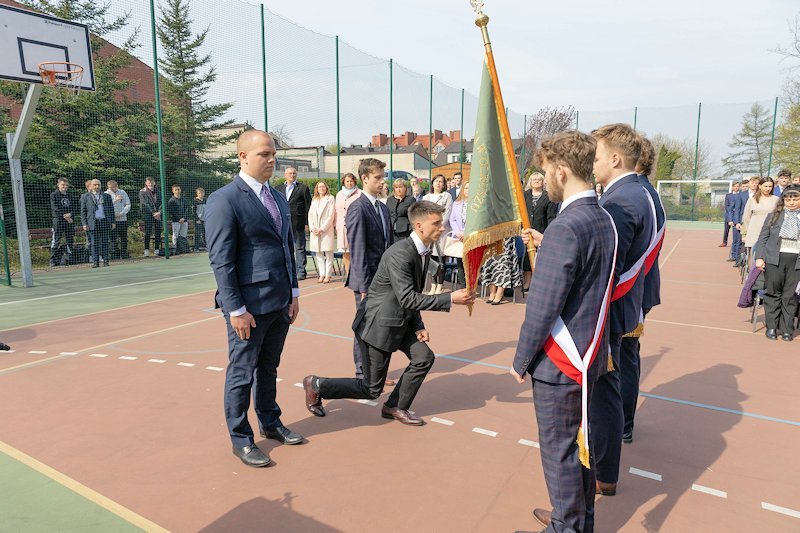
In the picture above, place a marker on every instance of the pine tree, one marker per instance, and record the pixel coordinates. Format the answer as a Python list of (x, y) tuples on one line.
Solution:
[(787, 139), (190, 121), (751, 144)]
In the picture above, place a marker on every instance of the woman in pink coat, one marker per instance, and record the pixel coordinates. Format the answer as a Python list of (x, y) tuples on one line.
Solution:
[(321, 218), (344, 198)]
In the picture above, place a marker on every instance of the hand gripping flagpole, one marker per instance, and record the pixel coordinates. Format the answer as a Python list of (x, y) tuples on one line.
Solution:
[(482, 21)]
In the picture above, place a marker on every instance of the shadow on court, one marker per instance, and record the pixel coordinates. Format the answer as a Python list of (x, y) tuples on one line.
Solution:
[(273, 515)]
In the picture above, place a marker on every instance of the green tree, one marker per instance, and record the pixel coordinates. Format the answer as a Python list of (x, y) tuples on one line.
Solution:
[(787, 139), (191, 124), (665, 163), (751, 144)]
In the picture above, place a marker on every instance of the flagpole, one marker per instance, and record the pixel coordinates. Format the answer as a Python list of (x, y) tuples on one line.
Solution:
[(482, 21)]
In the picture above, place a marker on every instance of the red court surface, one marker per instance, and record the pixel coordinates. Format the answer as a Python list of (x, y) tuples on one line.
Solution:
[(136, 415)]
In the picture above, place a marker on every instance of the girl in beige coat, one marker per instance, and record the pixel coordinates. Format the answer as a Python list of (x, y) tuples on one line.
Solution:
[(756, 210), (321, 219)]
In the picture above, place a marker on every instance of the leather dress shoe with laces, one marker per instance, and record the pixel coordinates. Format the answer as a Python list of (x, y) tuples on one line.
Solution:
[(401, 415), (787, 337), (606, 489), (543, 516), (627, 437), (283, 435), (771, 334), (313, 399), (252, 456)]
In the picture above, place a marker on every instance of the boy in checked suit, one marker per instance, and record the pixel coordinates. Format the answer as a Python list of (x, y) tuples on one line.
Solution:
[(572, 282)]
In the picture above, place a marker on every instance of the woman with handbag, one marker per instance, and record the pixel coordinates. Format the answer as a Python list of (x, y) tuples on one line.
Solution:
[(777, 253), (398, 205), (440, 196), (321, 217), (344, 198), (454, 246)]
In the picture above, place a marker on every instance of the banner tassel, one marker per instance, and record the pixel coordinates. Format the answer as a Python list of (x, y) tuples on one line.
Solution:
[(583, 449)]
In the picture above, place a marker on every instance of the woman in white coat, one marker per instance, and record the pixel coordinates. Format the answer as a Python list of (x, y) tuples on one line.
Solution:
[(321, 219), (440, 196)]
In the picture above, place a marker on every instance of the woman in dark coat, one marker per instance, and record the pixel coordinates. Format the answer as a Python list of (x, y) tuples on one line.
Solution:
[(778, 255), (398, 204), (541, 211)]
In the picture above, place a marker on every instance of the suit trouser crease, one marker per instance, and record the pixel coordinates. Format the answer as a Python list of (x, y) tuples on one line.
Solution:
[(780, 300), (570, 486), (98, 240), (725, 231), (736, 245), (299, 235), (152, 228), (119, 239), (253, 367), (357, 358), (376, 366), (606, 419), (630, 370)]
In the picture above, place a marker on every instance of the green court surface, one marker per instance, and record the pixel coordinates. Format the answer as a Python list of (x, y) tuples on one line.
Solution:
[(71, 292), (33, 502)]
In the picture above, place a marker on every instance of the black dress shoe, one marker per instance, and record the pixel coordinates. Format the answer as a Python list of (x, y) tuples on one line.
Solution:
[(401, 415), (771, 334), (787, 337), (283, 435), (95, 265), (627, 437), (313, 399), (252, 456), (105, 263)]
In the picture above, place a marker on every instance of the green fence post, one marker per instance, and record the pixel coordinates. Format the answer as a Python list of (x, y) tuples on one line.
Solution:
[(772, 139), (524, 142), (391, 124), (264, 68), (635, 116), (577, 120), (161, 170), (430, 132), (5, 244), (461, 157), (338, 124), (696, 155)]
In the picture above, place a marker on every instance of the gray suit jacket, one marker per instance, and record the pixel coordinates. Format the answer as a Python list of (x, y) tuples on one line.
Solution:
[(253, 264), (394, 301), (769, 242), (88, 207)]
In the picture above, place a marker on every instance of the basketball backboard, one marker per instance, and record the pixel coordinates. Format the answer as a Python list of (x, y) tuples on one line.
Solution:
[(29, 38)]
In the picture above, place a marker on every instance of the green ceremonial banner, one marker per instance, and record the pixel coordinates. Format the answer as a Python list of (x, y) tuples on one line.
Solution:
[(492, 211)]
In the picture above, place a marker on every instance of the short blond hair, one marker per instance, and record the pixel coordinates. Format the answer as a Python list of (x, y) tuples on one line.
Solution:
[(622, 138), (571, 148)]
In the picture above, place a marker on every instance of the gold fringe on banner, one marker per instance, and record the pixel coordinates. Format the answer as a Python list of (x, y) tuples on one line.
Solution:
[(491, 237), (638, 332), (610, 366), (583, 450)]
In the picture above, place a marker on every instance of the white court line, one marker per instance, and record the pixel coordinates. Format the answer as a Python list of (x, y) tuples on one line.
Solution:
[(645, 473), (662, 263), (98, 355), (484, 432), (186, 364), (653, 320), (278, 380), (298, 385), (105, 288), (709, 490), (128, 358), (442, 421), (526, 442), (215, 368), (68, 353), (156, 360), (367, 402), (779, 509), (10, 351), (37, 352)]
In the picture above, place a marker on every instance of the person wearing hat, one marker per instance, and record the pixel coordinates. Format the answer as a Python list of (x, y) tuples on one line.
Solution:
[(778, 255)]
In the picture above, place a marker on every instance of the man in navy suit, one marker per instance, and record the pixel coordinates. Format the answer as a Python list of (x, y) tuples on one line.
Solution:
[(455, 189), (631, 367), (369, 234), (749, 188), (299, 198), (784, 178), (249, 237), (618, 150), (730, 201), (569, 297)]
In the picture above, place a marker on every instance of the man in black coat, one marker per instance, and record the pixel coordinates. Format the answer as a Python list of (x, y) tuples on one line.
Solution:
[(97, 217), (62, 205), (299, 198), (390, 320)]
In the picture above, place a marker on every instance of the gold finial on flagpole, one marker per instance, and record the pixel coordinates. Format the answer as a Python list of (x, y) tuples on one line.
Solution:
[(481, 19)]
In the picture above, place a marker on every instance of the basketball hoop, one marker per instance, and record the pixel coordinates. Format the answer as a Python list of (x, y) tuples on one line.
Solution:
[(62, 74)]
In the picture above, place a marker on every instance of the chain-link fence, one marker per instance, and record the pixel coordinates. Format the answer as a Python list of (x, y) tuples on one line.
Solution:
[(226, 67)]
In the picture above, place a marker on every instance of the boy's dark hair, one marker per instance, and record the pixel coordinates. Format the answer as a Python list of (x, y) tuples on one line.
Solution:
[(423, 208)]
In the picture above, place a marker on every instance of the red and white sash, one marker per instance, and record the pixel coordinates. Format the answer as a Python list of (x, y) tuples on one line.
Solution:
[(655, 245), (561, 349), (628, 279)]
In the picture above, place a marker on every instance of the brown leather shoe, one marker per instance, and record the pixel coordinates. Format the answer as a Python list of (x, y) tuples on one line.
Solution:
[(313, 399), (389, 382), (401, 415), (542, 516), (606, 489)]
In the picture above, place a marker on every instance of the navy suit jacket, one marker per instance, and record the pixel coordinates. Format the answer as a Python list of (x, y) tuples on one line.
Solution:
[(652, 281), (626, 201), (730, 203), (366, 241), (738, 206), (253, 264), (572, 270)]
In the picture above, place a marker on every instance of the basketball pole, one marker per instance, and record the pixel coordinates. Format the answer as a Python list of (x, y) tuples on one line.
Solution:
[(15, 142)]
